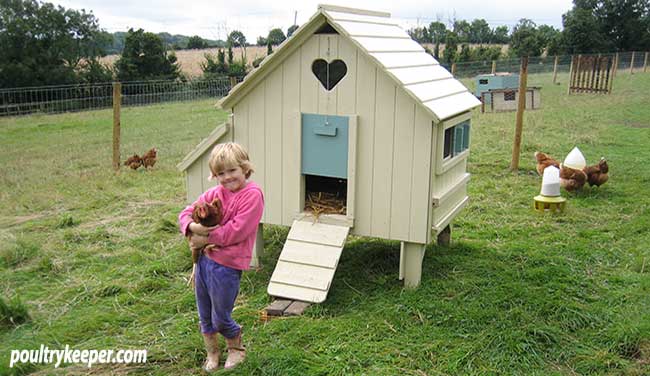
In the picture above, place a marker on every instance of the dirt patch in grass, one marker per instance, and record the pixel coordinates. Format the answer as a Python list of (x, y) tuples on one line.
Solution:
[(635, 124), (14, 221)]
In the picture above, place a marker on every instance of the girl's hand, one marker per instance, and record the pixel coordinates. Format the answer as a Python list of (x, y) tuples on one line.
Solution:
[(199, 229), (197, 241)]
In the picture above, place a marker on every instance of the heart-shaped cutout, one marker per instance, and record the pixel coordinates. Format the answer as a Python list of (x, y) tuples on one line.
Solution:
[(337, 70)]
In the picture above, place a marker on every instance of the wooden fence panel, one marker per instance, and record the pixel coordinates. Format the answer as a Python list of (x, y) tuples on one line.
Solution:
[(591, 74)]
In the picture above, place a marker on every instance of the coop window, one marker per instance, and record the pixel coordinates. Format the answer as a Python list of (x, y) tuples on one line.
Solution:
[(509, 96), (325, 195), (456, 139), (483, 81)]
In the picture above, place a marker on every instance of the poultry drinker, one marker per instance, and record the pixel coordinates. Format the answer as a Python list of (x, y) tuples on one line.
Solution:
[(549, 199)]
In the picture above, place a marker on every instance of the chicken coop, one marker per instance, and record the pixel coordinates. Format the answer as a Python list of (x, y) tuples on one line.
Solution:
[(352, 112), (501, 100), (495, 81)]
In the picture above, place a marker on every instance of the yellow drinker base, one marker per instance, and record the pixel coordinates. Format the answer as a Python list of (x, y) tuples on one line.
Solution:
[(549, 204)]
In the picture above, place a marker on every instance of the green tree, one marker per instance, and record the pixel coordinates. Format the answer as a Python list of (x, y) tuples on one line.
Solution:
[(276, 36), (44, 45), (214, 67), (145, 58), (479, 31), (605, 25), (500, 35), (420, 34), (625, 23), (551, 39), (196, 43), (483, 53), (462, 29), (465, 53), (451, 48), (292, 29), (231, 58), (237, 39), (582, 32), (437, 32), (525, 39)]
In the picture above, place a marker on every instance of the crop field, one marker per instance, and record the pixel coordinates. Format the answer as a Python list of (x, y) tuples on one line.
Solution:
[(93, 259), (190, 60)]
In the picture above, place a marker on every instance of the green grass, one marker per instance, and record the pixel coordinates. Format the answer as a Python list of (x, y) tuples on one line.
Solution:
[(96, 260)]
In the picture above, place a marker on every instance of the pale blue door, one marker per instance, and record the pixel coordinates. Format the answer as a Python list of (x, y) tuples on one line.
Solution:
[(325, 145)]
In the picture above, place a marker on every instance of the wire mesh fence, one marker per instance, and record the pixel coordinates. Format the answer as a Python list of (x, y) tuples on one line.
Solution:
[(70, 98), (637, 60)]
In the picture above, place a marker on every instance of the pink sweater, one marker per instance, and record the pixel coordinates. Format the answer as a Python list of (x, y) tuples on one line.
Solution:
[(235, 237)]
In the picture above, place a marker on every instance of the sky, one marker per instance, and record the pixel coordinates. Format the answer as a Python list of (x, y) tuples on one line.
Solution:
[(214, 19)]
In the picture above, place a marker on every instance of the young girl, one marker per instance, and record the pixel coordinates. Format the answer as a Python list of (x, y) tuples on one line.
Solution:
[(229, 250)]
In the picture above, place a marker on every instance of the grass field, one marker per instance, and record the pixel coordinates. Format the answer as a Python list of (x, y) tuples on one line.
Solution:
[(93, 259)]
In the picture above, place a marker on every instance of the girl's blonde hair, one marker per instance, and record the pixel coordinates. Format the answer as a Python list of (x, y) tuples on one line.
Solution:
[(229, 155)]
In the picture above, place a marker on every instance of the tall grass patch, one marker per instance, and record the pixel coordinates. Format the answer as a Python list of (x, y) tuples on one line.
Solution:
[(13, 312)]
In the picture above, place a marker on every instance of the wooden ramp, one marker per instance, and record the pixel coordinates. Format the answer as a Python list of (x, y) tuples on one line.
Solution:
[(308, 261)]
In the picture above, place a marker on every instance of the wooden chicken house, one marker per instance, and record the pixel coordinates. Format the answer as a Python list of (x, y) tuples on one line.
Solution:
[(351, 106)]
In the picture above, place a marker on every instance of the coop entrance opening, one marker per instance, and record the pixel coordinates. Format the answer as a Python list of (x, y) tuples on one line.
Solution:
[(325, 195)]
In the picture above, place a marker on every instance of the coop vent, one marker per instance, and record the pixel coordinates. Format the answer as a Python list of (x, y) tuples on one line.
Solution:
[(326, 29)]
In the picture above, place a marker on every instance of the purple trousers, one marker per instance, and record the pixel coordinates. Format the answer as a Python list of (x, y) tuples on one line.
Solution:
[(217, 287)]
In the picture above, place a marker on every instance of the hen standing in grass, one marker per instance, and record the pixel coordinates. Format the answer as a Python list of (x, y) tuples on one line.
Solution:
[(572, 179), (149, 158), (597, 174), (208, 215), (134, 162), (544, 160)]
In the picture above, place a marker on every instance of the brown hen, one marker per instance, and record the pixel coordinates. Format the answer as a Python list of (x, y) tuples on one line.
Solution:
[(544, 160), (208, 215), (149, 158), (597, 174), (572, 179), (134, 162)]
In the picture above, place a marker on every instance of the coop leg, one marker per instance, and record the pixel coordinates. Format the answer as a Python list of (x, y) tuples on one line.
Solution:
[(401, 261), (258, 247), (413, 255), (444, 237)]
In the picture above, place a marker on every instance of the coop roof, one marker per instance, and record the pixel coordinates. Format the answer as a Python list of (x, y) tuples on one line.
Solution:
[(389, 46)]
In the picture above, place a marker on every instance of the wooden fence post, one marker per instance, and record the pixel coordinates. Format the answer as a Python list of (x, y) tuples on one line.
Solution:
[(453, 69), (632, 64), (611, 76), (555, 69), (117, 104), (568, 90), (521, 106), (645, 62), (233, 81), (494, 66), (615, 64)]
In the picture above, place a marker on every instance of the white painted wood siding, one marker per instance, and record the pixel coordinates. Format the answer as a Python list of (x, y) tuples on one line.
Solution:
[(393, 146), (197, 177)]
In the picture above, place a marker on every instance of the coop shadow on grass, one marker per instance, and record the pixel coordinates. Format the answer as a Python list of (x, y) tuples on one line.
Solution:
[(369, 270)]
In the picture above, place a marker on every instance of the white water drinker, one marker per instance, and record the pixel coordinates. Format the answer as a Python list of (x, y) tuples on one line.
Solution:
[(575, 159), (551, 182)]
